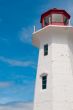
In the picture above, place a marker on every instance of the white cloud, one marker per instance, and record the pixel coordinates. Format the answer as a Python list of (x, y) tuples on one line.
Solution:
[(25, 35), (5, 84), (17, 106), (13, 62)]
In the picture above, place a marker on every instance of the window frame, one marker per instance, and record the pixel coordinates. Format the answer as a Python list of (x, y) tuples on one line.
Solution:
[(44, 81), (49, 18), (65, 20), (55, 21), (45, 49)]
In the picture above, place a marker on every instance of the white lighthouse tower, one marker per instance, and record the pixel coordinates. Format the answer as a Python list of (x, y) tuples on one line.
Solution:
[(54, 80)]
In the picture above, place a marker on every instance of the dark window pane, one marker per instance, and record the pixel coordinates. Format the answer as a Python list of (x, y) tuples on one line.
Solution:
[(65, 20), (46, 46), (43, 86), (46, 49), (44, 77), (45, 53), (44, 82), (47, 20)]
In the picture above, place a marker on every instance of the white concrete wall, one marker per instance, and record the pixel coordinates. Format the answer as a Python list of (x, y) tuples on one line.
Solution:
[(43, 98), (58, 64), (62, 73)]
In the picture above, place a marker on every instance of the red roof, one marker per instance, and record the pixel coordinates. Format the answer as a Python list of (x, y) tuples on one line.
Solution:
[(55, 10)]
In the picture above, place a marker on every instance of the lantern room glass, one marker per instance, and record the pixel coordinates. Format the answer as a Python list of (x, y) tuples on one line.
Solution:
[(66, 21), (57, 18), (47, 20)]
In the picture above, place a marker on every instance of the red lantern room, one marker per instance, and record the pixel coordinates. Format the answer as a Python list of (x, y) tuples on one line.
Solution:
[(55, 17)]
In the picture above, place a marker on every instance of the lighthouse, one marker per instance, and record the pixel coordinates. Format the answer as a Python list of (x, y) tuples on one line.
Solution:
[(54, 79)]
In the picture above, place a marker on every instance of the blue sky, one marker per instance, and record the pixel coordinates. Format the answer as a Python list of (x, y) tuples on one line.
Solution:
[(18, 57)]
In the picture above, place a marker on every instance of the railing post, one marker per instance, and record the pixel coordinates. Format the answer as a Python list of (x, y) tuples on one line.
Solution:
[(34, 29)]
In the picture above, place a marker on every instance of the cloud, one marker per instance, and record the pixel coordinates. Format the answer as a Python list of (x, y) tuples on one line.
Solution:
[(25, 35), (17, 106), (5, 84), (17, 63)]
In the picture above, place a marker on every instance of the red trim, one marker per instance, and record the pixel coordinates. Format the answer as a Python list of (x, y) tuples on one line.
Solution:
[(54, 11), (58, 23), (42, 22), (55, 23)]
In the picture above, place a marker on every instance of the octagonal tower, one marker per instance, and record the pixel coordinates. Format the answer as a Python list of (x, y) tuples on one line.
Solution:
[(54, 80)]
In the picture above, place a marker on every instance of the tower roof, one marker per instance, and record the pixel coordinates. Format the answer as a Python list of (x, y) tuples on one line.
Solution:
[(55, 11)]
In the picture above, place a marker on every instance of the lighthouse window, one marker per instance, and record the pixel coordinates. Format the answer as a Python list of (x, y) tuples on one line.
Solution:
[(65, 20), (45, 49), (47, 20), (57, 18), (44, 82)]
